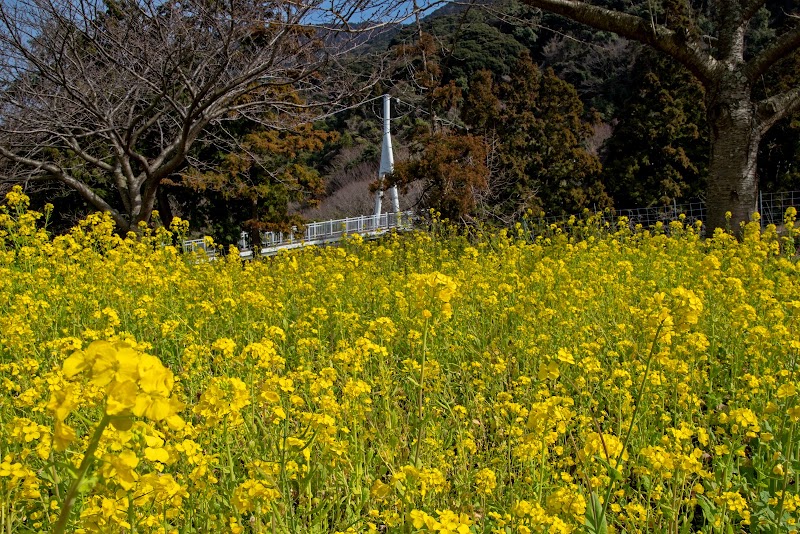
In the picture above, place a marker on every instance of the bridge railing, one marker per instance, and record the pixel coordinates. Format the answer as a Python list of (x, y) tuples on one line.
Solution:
[(333, 230), (197, 245)]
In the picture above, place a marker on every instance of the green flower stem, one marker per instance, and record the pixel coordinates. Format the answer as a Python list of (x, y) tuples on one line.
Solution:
[(639, 396), (86, 463), (789, 455), (421, 394)]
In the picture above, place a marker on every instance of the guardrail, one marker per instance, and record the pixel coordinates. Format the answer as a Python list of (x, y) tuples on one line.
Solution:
[(196, 245), (326, 232), (315, 233)]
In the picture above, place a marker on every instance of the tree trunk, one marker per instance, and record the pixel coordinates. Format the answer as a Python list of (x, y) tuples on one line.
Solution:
[(164, 208), (148, 203), (735, 136)]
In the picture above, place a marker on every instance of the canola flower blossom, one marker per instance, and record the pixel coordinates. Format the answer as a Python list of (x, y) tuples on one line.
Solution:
[(588, 379), (134, 383)]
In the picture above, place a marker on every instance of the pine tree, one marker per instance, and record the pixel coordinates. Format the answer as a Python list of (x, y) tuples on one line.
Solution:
[(659, 150), (532, 119)]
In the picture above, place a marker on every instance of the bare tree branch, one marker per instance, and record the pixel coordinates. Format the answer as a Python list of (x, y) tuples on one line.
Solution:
[(777, 107), (785, 44), (120, 93), (87, 193), (683, 48)]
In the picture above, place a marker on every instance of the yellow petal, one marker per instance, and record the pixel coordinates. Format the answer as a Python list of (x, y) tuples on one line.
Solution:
[(154, 377), (153, 407), (128, 364), (97, 348), (176, 422), (104, 367), (102, 357), (75, 364), (270, 396), (786, 390), (129, 458), (61, 403), (63, 436), (156, 455), (121, 397), (153, 441)]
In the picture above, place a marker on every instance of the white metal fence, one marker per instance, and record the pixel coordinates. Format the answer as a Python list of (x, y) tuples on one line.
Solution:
[(694, 210), (315, 233), (771, 206), (197, 245), (335, 229)]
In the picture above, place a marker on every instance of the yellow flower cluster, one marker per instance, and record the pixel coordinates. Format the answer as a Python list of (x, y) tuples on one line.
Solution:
[(447, 522), (587, 378), (134, 382), (433, 290)]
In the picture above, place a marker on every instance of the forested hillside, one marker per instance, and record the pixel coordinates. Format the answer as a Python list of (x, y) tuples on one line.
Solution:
[(499, 109)]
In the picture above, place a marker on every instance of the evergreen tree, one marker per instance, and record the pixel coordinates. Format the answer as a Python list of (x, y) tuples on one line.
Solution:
[(252, 186), (532, 120), (453, 170), (659, 150)]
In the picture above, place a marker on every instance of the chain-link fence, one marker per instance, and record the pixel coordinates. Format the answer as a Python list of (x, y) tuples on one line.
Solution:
[(771, 207)]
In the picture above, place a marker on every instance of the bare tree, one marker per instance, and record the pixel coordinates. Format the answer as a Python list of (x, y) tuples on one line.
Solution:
[(738, 119), (108, 96)]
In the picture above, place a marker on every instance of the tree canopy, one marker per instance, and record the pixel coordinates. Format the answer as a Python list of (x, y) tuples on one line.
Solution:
[(208, 110), (108, 97), (711, 40), (534, 121), (659, 151)]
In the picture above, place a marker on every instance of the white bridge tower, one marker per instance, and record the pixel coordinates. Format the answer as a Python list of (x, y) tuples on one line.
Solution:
[(387, 164)]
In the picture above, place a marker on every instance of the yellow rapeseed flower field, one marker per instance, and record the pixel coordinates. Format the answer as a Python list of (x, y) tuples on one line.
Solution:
[(588, 380)]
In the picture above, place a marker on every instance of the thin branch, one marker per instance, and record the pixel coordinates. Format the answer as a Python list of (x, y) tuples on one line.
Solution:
[(130, 93), (73, 144), (785, 45), (57, 172), (683, 48), (777, 107)]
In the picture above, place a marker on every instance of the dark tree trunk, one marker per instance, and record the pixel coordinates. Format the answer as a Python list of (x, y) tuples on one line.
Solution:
[(734, 187), (735, 136), (164, 209)]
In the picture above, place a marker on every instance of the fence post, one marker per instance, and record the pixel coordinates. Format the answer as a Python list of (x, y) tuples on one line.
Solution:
[(761, 213)]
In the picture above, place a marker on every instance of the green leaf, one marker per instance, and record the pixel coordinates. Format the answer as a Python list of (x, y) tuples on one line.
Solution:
[(87, 484), (708, 508), (613, 472), (595, 516), (69, 468)]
